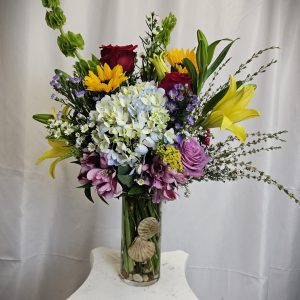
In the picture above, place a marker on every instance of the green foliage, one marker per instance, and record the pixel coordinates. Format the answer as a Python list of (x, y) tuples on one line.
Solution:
[(204, 56), (155, 42), (123, 170), (42, 118), (55, 18), (69, 42), (126, 180), (218, 60), (136, 190), (51, 3), (82, 66)]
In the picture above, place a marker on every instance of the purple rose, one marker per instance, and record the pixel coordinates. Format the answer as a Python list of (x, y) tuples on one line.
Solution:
[(193, 157)]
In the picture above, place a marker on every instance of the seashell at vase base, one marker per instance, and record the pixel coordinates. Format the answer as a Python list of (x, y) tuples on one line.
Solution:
[(141, 250)]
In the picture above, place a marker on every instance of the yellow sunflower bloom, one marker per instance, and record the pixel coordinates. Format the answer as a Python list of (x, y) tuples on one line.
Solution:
[(232, 109), (60, 150), (107, 80), (175, 57)]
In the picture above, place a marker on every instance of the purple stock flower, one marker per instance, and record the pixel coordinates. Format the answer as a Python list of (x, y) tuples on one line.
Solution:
[(53, 96), (194, 100), (190, 120), (79, 94), (75, 79), (178, 86), (178, 125), (190, 107), (172, 94), (180, 98), (55, 77), (193, 157), (59, 114)]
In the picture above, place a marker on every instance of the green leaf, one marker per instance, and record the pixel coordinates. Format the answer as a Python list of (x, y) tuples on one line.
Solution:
[(218, 60), (192, 72), (209, 105), (211, 49), (87, 192), (126, 180), (201, 37), (135, 190), (82, 67), (122, 170), (87, 185), (42, 118)]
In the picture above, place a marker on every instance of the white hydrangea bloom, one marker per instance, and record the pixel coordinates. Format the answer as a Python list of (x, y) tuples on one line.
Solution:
[(130, 122)]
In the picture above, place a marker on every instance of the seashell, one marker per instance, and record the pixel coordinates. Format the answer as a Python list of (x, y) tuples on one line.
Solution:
[(148, 228), (141, 250), (137, 277)]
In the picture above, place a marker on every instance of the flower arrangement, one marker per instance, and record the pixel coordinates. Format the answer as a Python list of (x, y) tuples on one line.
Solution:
[(144, 126)]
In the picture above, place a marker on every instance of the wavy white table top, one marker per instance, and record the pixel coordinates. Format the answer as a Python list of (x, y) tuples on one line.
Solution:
[(104, 282)]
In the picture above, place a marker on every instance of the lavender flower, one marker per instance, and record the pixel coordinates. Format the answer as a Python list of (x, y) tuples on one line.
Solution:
[(178, 86), (190, 120), (190, 107), (195, 100), (178, 125), (55, 77), (75, 79), (180, 98), (172, 94), (53, 96), (79, 94)]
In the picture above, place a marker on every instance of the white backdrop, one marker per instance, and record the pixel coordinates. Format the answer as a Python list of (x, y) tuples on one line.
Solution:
[(243, 238)]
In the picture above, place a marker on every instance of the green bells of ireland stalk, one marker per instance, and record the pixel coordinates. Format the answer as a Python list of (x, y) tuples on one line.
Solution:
[(55, 18), (69, 42), (50, 3)]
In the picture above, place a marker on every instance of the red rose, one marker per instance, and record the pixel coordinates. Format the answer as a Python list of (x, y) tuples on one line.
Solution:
[(174, 78), (118, 55)]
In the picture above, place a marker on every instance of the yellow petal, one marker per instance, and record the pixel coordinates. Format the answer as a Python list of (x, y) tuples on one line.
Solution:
[(100, 73), (213, 120), (107, 72), (229, 94), (226, 123), (53, 112), (53, 166), (65, 110), (239, 132), (244, 114)]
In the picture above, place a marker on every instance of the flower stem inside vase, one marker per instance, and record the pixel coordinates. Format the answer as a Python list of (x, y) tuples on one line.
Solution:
[(140, 244)]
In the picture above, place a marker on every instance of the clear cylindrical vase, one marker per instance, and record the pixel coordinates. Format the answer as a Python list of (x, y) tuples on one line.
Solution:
[(140, 244)]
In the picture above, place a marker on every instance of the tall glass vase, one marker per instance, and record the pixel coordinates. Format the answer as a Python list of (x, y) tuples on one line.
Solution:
[(140, 244)]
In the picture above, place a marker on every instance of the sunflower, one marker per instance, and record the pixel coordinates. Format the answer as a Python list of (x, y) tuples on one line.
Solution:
[(107, 80), (175, 57)]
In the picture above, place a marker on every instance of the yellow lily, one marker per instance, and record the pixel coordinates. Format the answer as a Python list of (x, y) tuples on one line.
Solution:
[(232, 109), (160, 66), (60, 150)]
